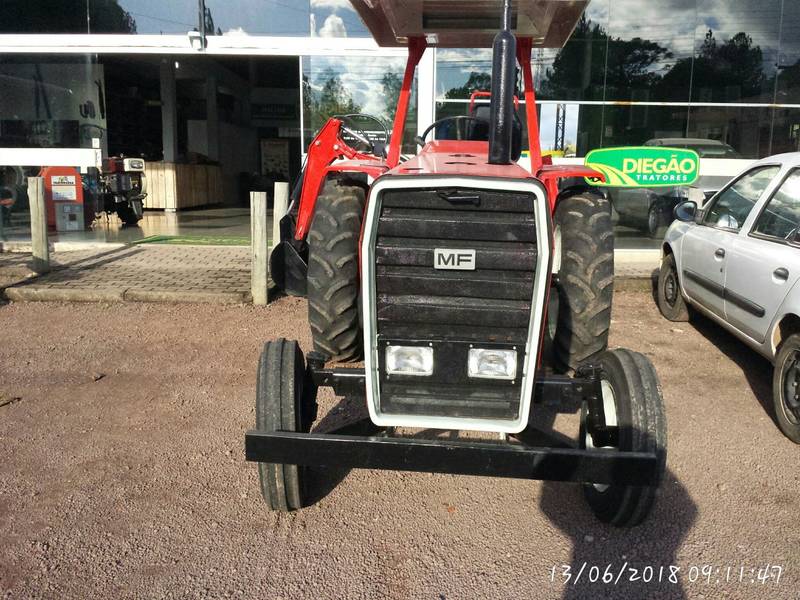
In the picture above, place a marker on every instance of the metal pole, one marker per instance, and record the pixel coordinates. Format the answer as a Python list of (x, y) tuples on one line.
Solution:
[(279, 208), (41, 251), (259, 245)]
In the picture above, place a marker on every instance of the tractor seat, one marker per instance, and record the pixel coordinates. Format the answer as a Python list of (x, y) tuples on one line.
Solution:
[(479, 131)]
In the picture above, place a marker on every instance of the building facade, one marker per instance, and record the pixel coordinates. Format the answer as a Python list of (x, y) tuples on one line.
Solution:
[(243, 85)]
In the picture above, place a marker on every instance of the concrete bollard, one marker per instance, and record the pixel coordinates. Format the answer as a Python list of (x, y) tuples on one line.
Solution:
[(259, 246), (41, 251), (279, 208)]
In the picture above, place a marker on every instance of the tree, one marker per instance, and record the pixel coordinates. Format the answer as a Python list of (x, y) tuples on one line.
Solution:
[(477, 81), (731, 71), (581, 68), (391, 82), (331, 99)]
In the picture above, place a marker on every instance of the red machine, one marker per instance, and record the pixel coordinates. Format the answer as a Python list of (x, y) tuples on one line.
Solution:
[(63, 195), (464, 282)]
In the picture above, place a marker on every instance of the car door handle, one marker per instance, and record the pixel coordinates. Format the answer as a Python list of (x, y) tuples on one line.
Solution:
[(782, 273), (720, 253)]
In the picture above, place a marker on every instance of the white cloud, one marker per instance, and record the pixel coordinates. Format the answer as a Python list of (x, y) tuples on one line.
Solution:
[(333, 27), (332, 4), (237, 32)]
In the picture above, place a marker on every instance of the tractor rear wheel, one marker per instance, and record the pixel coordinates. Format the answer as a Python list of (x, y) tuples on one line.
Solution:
[(333, 271), (633, 403), (585, 278), (283, 404)]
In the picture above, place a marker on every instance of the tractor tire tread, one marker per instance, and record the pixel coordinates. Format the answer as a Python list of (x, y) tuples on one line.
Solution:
[(586, 279), (333, 271)]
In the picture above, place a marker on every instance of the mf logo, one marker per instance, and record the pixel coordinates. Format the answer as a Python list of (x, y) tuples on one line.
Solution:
[(447, 258)]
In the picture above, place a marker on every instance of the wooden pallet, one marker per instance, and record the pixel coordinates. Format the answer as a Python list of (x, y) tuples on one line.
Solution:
[(172, 186)]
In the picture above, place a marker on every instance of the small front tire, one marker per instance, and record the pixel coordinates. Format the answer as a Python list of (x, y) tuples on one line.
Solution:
[(130, 213), (282, 404), (632, 401), (786, 388)]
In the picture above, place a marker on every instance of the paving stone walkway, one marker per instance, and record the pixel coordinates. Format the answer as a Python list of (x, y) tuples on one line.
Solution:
[(162, 273), (144, 273)]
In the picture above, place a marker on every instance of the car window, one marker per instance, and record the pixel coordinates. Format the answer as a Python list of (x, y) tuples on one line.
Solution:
[(733, 204), (781, 215), (720, 151)]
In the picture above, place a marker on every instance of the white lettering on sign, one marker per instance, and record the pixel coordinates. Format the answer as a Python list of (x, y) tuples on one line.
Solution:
[(451, 258)]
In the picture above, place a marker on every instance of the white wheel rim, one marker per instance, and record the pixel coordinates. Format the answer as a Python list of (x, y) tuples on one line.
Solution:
[(610, 413)]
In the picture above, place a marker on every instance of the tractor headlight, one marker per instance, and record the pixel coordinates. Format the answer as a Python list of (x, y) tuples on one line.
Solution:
[(409, 360), (492, 363)]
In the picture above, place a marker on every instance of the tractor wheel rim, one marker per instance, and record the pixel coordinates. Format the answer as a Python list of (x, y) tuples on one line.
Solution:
[(671, 288), (791, 389), (610, 413)]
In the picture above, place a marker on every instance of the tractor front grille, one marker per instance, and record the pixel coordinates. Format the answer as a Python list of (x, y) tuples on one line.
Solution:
[(453, 310)]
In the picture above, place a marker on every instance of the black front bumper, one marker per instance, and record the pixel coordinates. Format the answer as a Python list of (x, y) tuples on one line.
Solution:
[(515, 460), (532, 454)]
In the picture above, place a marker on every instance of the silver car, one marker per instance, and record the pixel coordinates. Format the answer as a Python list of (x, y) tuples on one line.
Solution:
[(737, 260)]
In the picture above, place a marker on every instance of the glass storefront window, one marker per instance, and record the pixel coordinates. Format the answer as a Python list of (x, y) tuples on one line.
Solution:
[(788, 87), (786, 130), (650, 46), (339, 85), (745, 129), (314, 18), (736, 50), (99, 16), (142, 16)]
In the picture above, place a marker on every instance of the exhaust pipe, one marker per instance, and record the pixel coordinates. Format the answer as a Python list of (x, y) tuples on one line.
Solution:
[(504, 72)]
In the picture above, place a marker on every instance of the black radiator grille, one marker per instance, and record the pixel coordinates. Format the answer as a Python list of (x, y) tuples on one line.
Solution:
[(490, 305)]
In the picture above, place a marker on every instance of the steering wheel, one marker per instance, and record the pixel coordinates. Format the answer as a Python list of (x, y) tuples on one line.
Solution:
[(351, 127), (460, 122)]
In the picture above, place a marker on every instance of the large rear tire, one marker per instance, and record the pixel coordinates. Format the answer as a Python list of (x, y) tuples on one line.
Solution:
[(333, 271), (632, 401), (282, 404), (585, 279)]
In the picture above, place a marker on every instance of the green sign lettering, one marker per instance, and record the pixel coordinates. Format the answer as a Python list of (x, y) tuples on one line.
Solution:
[(644, 166)]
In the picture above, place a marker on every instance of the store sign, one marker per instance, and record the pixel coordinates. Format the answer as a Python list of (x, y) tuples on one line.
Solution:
[(644, 166)]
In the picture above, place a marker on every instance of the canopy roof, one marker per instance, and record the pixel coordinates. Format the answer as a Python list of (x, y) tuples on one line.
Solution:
[(468, 23)]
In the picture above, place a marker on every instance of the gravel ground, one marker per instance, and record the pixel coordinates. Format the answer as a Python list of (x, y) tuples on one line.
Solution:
[(122, 476)]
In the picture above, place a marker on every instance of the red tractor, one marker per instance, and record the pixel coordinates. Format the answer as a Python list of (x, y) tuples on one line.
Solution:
[(473, 290)]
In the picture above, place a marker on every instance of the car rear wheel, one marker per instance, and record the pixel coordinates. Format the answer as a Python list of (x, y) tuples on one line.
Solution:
[(633, 403), (653, 220), (786, 388), (669, 297)]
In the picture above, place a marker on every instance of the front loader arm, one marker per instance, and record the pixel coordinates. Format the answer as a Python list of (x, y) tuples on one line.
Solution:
[(326, 147)]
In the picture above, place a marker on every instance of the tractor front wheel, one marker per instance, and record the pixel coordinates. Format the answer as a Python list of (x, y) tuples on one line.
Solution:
[(585, 278), (283, 403), (633, 403), (333, 271)]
